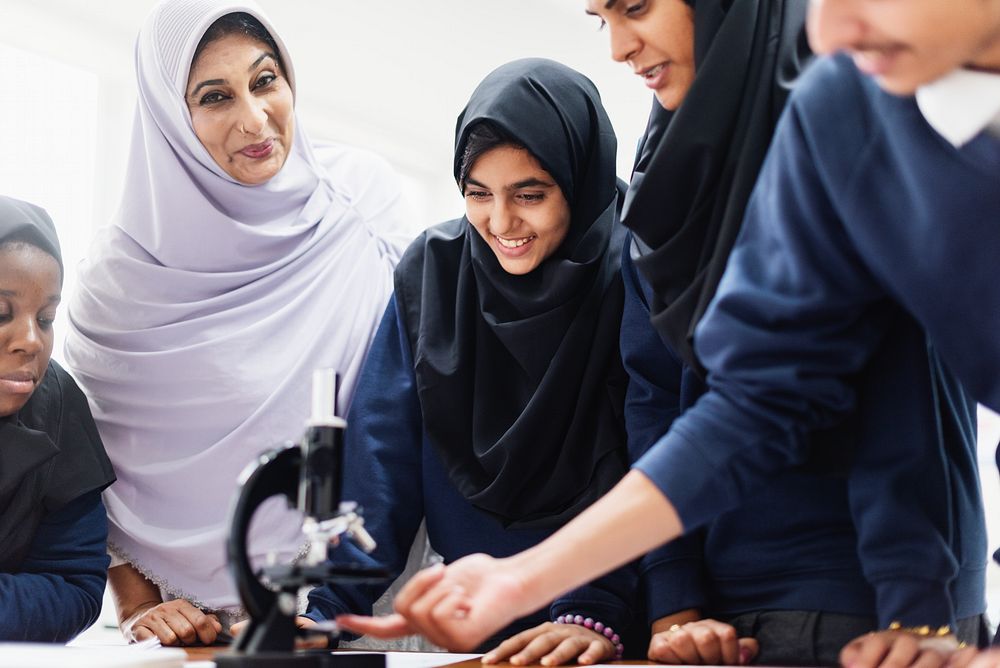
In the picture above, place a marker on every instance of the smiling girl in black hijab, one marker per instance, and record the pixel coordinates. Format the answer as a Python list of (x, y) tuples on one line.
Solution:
[(53, 529), (491, 401)]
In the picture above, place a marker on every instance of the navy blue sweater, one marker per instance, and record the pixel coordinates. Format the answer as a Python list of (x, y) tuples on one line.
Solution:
[(57, 591), (865, 268), (399, 480), (791, 545)]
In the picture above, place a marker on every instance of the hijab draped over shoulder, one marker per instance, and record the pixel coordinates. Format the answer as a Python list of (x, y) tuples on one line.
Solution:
[(50, 453), (205, 306), (519, 377), (697, 166)]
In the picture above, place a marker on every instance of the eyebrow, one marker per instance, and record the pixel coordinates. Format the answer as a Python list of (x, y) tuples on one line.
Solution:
[(210, 82), (607, 5), (266, 54), (13, 294), (222, 82), (527, 183)]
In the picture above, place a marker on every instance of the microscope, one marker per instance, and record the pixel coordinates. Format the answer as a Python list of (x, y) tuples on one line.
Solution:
[(309, 475)]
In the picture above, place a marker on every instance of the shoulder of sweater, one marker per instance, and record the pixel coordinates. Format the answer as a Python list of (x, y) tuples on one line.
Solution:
[(834, 102)]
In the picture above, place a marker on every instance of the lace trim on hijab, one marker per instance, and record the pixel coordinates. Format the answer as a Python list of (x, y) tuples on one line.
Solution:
[(235, 611)]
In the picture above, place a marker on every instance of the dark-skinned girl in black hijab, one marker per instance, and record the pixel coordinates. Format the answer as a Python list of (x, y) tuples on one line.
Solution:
[(818, 557), (491, 402), (53, 528)]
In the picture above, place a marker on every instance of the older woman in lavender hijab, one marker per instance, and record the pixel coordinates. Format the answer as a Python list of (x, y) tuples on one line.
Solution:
[(243, 256)]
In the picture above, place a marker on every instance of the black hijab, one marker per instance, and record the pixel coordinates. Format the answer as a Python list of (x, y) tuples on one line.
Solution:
[(697, 166), (519, 377), (50, 452)]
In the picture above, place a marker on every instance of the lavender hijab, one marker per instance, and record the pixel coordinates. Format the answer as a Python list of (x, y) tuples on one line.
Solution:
[(204, 308)]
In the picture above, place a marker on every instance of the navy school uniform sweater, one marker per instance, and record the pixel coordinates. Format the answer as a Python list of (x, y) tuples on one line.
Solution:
[(57, 590), (794, 544), (861, 286), (399, 480)]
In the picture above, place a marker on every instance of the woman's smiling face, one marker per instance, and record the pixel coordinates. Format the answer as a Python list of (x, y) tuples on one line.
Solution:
[(656, 39), (516, 207), (242, 107)]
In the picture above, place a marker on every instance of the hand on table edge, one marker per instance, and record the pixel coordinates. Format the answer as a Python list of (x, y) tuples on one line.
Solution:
[(685, 638), (552, 645), (900, 648)]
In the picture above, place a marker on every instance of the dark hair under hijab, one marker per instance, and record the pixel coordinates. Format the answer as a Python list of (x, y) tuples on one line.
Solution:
[(696, 166), (238, 23), (483, 138), (519, 377), (50, 452)]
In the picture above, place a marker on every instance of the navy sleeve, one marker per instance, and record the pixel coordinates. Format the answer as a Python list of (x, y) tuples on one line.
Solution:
[(609, 599), (58, 590), (797, 316), (900, 492), (382, 468), (672, 576)]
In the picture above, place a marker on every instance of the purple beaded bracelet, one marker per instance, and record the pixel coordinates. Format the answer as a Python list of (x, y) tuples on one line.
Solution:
[(589, 623)]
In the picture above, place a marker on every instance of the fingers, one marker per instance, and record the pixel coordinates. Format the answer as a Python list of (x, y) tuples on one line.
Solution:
[(894, 649), (722, 639), (903, 651), (446, 623), (705, 641), (417, 586), (964, 657), (660, 651), (749, 649), (930, 658), (514, 644), (175, 623), (155, 624), (433, 608), (304, 623), (390, 626), (542, 646), (675, 646), (595, 652), (200, 627), (237, 628), (141, 633), (551, 645), (866, 651), (988, 659)]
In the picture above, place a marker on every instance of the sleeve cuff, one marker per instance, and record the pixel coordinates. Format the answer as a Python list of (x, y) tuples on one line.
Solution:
[(914, 603), (594, 603), (671, 586)]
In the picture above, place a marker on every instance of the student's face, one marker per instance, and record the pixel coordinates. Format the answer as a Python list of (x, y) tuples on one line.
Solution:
[(516, 207), (29, 295), (656, 39), (241, 107), (907, 43)]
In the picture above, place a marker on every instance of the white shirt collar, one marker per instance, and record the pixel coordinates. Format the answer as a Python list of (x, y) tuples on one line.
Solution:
[(961, 105)]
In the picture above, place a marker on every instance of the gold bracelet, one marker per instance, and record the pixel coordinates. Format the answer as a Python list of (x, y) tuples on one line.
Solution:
[(925, 631)]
